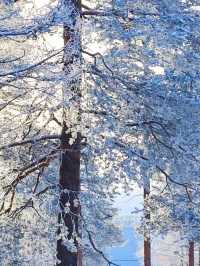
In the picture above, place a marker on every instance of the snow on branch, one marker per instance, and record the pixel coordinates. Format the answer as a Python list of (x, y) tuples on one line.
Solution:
[(29, 141)]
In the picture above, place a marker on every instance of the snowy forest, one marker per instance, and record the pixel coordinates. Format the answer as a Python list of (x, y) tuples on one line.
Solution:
[(99, 132)]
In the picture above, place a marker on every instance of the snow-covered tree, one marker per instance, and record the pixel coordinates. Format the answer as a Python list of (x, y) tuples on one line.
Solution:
[(42, 132), (108, 89)]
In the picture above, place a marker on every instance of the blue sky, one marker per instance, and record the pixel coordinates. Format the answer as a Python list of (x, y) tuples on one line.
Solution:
[(128, 251)]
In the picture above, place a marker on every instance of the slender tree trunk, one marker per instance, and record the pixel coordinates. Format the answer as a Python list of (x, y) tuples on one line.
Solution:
[(147, 252), (68, 249), (147, 238), (199, 254), (191, 253)]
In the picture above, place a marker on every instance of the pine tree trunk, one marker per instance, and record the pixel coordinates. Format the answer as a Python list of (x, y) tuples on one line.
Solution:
[(147, 252), (191, 253), (147, 239), (70, 187), (69, 182)]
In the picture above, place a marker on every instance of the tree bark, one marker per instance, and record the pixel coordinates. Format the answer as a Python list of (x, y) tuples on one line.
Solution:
[(191, 253), (70, 187), (69, 182), (199, 254), (147, 238), (147, 252)]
